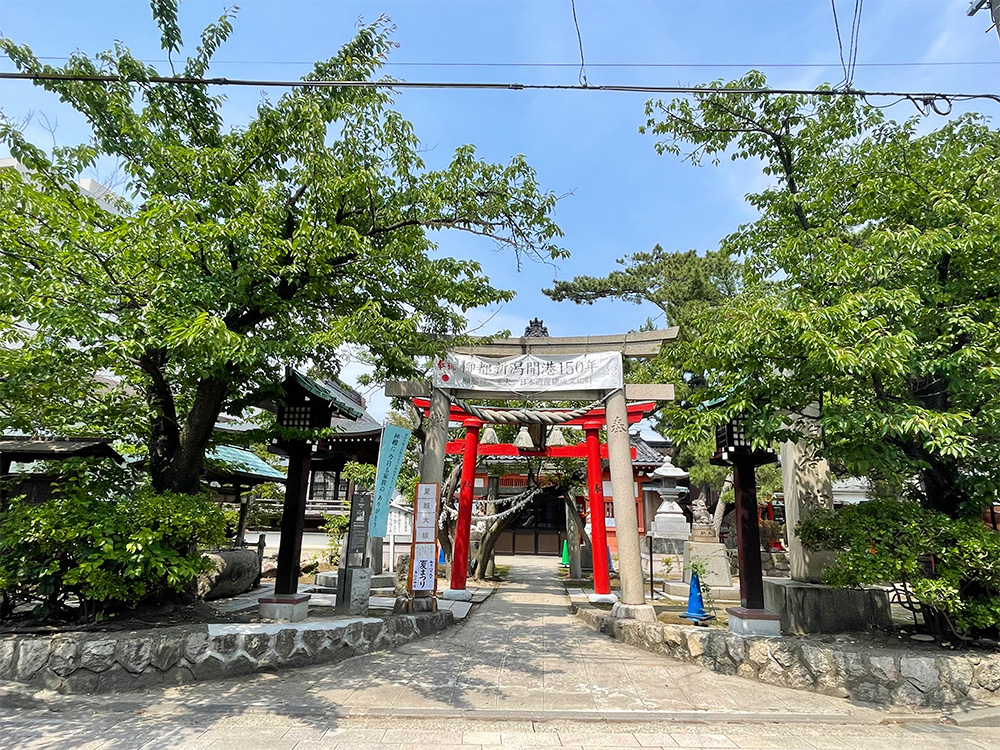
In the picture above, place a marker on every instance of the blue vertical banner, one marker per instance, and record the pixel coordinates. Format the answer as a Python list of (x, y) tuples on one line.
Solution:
[(390, 460)]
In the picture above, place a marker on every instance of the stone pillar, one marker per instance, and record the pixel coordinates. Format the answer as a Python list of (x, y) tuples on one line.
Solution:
[(432, 470), (573, 525), (463, 524), (435, 438), (598, 531), (806, 482), (633, 602)]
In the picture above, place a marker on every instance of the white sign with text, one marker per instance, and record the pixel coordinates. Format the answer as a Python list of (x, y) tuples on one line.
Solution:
[(423, 559), (529, 373)]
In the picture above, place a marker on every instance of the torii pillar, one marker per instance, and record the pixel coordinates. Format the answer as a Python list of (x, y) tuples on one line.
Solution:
[(633, 600)]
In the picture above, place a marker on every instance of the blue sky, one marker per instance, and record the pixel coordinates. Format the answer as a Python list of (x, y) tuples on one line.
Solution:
[(620, 197)]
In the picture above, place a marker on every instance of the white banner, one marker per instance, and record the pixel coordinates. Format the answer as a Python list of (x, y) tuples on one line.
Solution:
[(528, 373), (423, 560)]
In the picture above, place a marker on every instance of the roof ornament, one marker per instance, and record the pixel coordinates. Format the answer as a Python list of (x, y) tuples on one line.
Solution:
[(536, 329)]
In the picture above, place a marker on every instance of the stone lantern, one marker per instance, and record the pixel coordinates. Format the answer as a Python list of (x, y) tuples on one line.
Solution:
[(670, 527)]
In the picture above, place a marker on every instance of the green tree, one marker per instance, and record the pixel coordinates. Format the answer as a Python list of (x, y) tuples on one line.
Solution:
[(235, 250), (681, 284), (871, 284)]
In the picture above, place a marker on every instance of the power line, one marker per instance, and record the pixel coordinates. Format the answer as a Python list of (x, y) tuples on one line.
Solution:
[(742, 66), (582, 78), (925, 97)]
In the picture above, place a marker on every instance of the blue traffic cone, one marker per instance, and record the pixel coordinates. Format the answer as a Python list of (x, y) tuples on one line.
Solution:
[(696, 607), (441, 558), (611, 565)]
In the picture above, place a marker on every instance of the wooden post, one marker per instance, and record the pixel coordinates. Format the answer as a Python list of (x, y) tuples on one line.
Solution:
[(293, 518), (463, 524), (241, 527), (748, 533), (595, 491)]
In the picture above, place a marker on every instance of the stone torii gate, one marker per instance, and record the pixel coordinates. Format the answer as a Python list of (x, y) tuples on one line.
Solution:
[(645, 344)]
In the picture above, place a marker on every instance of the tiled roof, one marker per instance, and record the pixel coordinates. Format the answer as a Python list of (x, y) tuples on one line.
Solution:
[(645, 454)]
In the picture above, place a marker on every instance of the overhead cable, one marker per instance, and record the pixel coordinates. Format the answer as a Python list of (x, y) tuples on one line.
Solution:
[(579, 38), (926, 97), (741, 66)]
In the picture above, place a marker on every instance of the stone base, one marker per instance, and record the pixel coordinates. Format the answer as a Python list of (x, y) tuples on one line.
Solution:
[(743, 621), (378, 580), (354, 591), (716, 561), (457, 595), (642, 612), (814, 608), (284, 607), (668, 546), (602, 599), (423, 604)]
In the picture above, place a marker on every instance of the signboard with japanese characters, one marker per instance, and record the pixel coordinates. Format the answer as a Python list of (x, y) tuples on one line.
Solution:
[(390, 460), (529, 373), (423, 558)]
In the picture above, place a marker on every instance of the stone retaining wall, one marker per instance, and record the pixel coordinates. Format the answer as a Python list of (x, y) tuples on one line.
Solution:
[(109, 662), (775, 564), (882, 676)]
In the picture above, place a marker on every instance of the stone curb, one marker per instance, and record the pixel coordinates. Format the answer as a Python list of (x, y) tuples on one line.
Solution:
[(884, 677), (111, 662)]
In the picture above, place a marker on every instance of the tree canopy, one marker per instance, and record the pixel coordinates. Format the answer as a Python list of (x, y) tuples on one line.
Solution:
[(870, 284), (233, 250), (681, 284)]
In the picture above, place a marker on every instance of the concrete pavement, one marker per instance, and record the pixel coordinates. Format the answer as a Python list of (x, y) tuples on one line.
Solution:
[(520, 672)]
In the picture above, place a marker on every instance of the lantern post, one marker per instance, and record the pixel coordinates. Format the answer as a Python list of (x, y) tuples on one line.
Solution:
[(733, 448)]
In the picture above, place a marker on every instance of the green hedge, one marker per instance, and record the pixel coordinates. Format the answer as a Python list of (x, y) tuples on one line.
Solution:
[(102, 542), (952, 566)]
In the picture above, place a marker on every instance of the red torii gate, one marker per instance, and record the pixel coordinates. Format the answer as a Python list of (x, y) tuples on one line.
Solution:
[(592, 449)]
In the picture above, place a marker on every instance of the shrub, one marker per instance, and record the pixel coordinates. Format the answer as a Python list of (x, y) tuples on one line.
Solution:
[(952, 566), (335, 528), (103, 541)]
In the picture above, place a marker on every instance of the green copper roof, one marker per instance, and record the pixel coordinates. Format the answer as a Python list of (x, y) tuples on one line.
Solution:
[(327, 393), (244, 461)]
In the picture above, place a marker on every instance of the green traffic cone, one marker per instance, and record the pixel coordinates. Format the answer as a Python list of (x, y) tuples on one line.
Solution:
[(564, 563)]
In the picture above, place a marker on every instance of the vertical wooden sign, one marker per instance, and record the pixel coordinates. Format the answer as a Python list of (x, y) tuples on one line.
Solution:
[(423, 557)]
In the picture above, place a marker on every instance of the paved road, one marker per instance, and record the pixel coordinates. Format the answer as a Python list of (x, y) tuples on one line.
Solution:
[(521, 672)]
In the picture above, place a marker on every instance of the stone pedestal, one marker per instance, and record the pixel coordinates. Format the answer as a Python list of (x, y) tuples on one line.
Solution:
[(704, 545), (423, 604), (457, 595), (744, 621), (643, 612), (813, 608), (284, 607), (353, 591), (602, 598), (670, 524)]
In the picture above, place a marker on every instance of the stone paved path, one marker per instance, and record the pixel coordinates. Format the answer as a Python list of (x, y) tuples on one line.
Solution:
[(520, 672)]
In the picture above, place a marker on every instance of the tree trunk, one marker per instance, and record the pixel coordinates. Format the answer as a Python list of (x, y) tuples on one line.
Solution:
[(446, 529), (941, 491), (183, 474)]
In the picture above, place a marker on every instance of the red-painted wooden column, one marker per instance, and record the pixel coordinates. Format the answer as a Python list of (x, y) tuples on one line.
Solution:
[(595, 491), (460, 558)]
